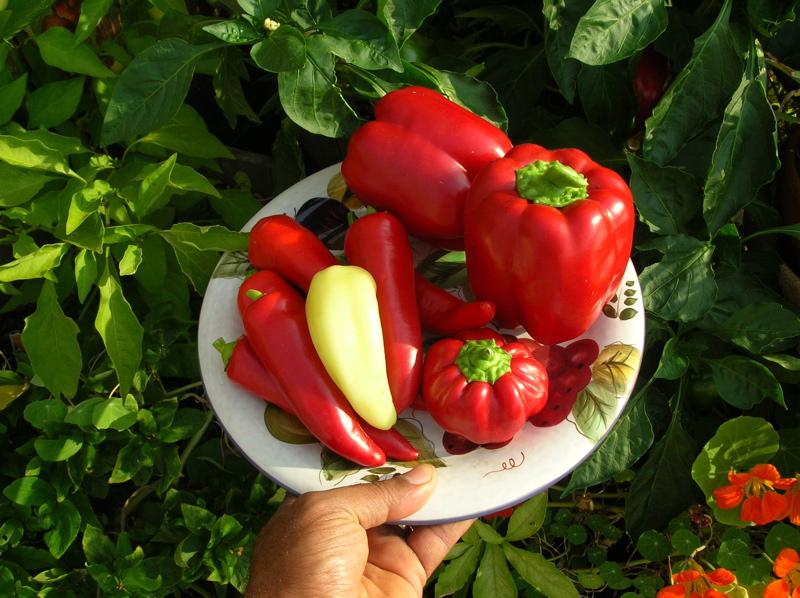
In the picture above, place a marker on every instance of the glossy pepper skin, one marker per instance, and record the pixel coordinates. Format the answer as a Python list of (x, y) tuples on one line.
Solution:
[(280, 244), (344, 322), (246, 370), (275, 323), (550, 269), (483, 390), (379, 243), (417, 160), (445, 314), (649, 84)]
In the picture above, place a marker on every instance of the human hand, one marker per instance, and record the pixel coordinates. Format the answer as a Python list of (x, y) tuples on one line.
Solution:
[(335, 543)]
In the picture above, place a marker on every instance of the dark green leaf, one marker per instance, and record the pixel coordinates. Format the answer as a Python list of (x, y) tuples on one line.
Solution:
[(44, 414), (65, 520), (51, 341), (493, 579), (359, 38), (768, 16), (527, 519), (114, 413), (745, 157), (22, 13), (788, 456), (733, 554), (82, 413), (675, 358), (666, 198), (31, 491), (92, 12), (260, 9), (11, 96), (780, 536), (234, 32), (653, 545), (698, 94), (20, 185), (685, 542), (664, 486), (753, 571), (744, 383), (681, 286), (540, 573), (605, 96), (97, 547), (404, 18), (58, 49), (283, 51), (188, 134), (119, 327), (185, 424), (562, 19), (228, 90), (760, 328), (151, 90), (57, 449), (457, 572)]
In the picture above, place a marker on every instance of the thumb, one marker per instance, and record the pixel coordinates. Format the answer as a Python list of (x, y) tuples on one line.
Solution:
[(374, 504)]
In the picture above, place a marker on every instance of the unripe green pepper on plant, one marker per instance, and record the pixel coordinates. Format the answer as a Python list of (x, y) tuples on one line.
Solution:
[(345, 325)]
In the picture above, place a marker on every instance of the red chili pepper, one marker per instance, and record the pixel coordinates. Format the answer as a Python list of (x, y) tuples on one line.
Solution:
[(379, 244), (417, 160), (246, 370), (548, 238), (276, 325), (649, 84), (445, 314), (280, 244), (483, 390)]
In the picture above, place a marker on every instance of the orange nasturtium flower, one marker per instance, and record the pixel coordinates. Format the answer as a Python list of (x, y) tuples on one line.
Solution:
[(787, 569), (792, 510), (695, 583), (755, 491)]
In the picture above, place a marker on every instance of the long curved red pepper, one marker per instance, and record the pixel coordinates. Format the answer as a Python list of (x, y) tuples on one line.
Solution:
[(276, 325), (444, 314), (246, 370), (378, 242), (280, 244)]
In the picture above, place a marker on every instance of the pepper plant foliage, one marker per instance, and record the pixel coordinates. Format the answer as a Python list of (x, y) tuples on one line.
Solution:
[(123, 179)]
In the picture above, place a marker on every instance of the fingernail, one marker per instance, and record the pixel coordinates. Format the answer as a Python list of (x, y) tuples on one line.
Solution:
[(421, 474)]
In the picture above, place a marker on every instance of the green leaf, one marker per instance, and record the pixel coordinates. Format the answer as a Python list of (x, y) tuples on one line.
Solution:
[(33, 154), (198, 520), (97, 547), (46, 413), (681, 286), (234, 32), (788, 456), (733, 554), (744, 383), (57, 449), (404, 18), (92, 12), (228, 90), (685, 542), (11, 96), (119, 327), (604, 95), (82, 414), (151, 90), (188, 134), (746, 155), (113, 413), (487, 533), (697, 95), (664, 486), (283, 51), (738, 445), (206, 238), (562, 20), (66, 522), (540, 573), (753, 571), (781, 536), (155, 183), (130, 261), (360, 38), (130, 460), (493, 579), (51, 341), (665, 197), (22, 13), (527, 519), (184, 425), (615, 29), (654, 546), (85, 272), (34, 265), (198, 265), (20, 185), (311, 97), (58, 49), (760, 328), (260, 9), (30, 491), (457, 572), (52, 104)]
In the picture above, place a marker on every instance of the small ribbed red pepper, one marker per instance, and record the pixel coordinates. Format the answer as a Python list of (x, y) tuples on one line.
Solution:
[(445, 314), (483, 390)]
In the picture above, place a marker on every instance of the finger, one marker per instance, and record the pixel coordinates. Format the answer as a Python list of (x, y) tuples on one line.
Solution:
[(371, 505), (388, 552), (432, 543)]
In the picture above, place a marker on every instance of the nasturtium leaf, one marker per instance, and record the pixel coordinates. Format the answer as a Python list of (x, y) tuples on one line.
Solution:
[(738, 445), (283, 51), (591, 581), (188, 134), (681, 286), (58, 49), (753, 570), (457, 572), (119, 327), (685, 542), (11, 96), (744, 383), (527, 519), (57, 449), (66, 522), (493, 577), (666, 198), (540, 573), (45, 414), (51, 342), (653, 545), (733, 554), (697, 95), (30, 491), (780, 536), (746, 155), (82, 414), (151, 89), (97, 547)]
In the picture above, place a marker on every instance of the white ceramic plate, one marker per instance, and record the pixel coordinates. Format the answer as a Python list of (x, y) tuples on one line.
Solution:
[(478, 483)]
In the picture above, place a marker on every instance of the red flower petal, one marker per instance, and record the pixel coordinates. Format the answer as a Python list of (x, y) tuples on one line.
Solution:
[(785, 562), (711, 593), (763, 511), (728, 497), (686, 576), (773, 505), (738, 479), (784, 483), (777, 589), (678, 591), (720, 577), (766, 472)]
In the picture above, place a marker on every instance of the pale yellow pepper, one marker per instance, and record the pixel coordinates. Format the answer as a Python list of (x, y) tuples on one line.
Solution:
[(344, 321)]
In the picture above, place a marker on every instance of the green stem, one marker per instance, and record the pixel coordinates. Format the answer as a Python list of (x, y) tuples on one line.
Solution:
[(194, 441), (183, 389)]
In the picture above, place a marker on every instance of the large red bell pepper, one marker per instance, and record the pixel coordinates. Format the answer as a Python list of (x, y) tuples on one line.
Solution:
[(483, 390), (379, 243), (275, 323), (417, 160), (548, 237)]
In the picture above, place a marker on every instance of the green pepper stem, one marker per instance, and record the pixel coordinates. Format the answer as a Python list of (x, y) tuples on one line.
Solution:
[(254, 294), (483, 361), (551, 183)]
